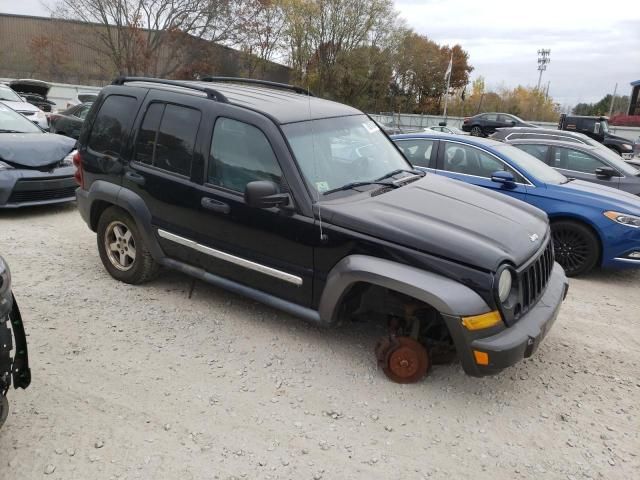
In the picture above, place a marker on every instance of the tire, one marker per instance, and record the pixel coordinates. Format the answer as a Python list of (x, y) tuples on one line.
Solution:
[(576, 247), (122, 249), (476, 131)]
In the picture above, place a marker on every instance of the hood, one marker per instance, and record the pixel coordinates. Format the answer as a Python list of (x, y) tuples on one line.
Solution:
[(34, 150), (30, 86), (607, 198), (447, 218), (610, 136), (20, 106)]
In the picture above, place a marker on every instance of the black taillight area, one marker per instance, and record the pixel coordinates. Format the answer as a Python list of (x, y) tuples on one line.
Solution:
[(79, 173)]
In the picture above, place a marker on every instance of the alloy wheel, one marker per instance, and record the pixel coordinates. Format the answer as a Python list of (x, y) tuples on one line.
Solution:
[(120, 246), (571, 249)]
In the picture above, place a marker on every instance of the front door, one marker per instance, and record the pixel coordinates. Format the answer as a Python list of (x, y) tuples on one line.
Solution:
[(575, 163), (473, 165)]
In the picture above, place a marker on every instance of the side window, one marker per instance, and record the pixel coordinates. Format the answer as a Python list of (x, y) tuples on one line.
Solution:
[(492, 117), (167, 137), (471, 161), (112, 123), (576, 160), (240, 153), (82, 111), (417, 151), (538, 151)]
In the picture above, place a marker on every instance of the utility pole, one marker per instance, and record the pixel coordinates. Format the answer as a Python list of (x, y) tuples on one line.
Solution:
[(543, 60), (446, 93), (613, 98)]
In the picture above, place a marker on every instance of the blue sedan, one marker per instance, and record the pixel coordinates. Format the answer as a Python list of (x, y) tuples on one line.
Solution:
[(592, 225)]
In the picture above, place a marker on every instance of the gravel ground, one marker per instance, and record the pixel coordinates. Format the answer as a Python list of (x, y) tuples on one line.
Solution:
[(143, 382)]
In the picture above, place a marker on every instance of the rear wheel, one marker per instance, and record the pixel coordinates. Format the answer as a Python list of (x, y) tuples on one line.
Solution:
[(476, 131), (122, 249), (576, 247)]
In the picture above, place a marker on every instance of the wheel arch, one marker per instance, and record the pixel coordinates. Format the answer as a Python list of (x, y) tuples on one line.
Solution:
[(105, 194), (443, 294)]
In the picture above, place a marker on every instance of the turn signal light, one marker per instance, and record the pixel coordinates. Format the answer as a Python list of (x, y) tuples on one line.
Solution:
[(478, 322), (79, 173), (482, 358)]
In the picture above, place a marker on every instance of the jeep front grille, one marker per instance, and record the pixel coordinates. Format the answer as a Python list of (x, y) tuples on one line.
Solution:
[(533, 279)]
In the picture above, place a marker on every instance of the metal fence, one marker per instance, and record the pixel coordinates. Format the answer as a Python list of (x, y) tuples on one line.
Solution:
[(406, 120)]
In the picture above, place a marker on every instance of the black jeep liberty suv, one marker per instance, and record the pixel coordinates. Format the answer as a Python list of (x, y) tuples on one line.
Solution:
[(306, 205)]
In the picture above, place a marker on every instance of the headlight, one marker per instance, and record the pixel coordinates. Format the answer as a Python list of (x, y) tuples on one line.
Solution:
[(626, 146), (5, 278), (68, 160), (505, 281), (4, 166), (623, 219)]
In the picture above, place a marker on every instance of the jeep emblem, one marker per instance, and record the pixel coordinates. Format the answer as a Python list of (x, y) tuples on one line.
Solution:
[(533, 237)]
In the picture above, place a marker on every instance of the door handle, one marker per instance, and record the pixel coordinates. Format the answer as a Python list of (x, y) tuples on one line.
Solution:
[(135, 178), (215, 205)]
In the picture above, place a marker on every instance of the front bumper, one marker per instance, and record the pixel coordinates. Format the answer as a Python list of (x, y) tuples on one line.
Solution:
[(618, 242), (25, 188), (511, 344)]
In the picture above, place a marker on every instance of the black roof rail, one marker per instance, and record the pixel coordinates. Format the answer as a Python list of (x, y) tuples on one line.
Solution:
[(254, 81), (211, 93)]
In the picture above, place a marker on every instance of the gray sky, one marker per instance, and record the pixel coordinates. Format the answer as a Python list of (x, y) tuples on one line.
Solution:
[(594, 43)]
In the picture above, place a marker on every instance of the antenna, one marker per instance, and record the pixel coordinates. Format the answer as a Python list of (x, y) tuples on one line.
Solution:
[(315, 164)]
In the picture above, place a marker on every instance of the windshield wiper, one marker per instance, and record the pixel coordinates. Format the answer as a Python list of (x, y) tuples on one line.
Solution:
[(4, 130), (351, 185), (569, 179), (401, 170)]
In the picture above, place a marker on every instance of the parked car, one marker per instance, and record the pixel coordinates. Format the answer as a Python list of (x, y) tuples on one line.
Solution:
[(33, 91), (35, 167), (485, 124), (69, 122), (584, 162), (11, 99), (305, 205), (592, 225), (523, 133), (446, 129), (14, 369), (598, 129)]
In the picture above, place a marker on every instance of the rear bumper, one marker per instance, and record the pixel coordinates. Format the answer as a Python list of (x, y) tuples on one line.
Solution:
[(512, 344), (25, 188)]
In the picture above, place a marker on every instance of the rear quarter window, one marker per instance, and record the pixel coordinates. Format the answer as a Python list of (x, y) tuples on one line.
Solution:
[(112, 124)]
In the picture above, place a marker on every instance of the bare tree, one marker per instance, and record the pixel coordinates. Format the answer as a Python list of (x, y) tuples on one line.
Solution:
[(154, 37)]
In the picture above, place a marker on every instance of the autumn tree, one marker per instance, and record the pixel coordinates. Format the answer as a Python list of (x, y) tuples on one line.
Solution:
[(50, 54)]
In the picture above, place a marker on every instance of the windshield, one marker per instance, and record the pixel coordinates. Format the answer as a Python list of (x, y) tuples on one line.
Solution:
[(9, 95), (616, 160), (538, 169), (13, 122), (334, 152), (604, 126)]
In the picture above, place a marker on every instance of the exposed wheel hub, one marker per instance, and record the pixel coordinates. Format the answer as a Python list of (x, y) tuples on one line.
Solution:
[(403, 359)]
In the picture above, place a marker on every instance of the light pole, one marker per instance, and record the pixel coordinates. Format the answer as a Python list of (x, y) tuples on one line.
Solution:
[(543, 60)]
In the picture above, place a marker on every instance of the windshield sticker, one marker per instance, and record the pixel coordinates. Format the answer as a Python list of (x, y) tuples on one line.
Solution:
[(370, 126), (322, 186)]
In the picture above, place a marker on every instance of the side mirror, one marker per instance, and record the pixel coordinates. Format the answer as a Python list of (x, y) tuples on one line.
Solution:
[(513, 123), (506, 179), (606, 172), (264, 194), (596, 128)]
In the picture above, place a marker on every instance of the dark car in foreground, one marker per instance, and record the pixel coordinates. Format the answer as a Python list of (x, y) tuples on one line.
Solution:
[(14, 360), (305, 205), (35, 167), (592, 225), (484, 124), (69, 122), (584, 162)]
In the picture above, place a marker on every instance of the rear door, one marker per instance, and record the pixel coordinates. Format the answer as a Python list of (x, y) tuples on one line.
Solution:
[(474, 165), (575, 163)]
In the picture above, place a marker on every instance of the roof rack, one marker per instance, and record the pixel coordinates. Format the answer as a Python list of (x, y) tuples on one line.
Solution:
[(254, 81), (211, 93)]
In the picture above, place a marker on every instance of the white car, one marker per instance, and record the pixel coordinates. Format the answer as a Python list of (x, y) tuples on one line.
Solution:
[(14, 101)]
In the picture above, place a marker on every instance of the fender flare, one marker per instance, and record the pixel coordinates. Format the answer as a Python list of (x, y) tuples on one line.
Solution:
[(444, 294), (134, 205)]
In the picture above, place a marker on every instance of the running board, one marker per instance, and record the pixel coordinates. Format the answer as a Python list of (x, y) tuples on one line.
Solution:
[(292, 308)]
